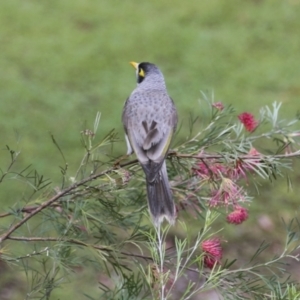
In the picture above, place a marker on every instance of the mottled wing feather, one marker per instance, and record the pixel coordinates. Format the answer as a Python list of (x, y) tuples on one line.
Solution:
[(157, 152), (134, 139), (150, 141)]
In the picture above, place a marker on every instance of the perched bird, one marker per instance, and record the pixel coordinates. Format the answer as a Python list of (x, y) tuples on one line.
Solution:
[(150, 119)]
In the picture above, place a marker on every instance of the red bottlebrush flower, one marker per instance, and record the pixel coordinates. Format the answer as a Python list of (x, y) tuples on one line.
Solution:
[(238, 216), (228, 193), (219, 197), (237, 171), (213, 252), (210, 169), (218, 105), (248, 121)]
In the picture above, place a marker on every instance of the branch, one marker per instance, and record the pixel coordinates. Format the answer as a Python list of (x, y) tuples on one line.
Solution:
[(76, 242), (26, 209), (116, 166), (52, 200), (218, 156), (34, 253), (61, 194)]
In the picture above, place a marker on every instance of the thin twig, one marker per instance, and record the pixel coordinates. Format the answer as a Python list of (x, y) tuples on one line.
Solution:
[(26, 209), (218, 156), (34, 253), (80, 243), (76, 242)]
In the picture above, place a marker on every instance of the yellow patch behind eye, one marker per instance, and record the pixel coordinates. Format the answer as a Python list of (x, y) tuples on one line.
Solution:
[(141, 73)]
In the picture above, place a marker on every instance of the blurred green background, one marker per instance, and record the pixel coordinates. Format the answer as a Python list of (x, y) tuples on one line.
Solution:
[(62, 61)]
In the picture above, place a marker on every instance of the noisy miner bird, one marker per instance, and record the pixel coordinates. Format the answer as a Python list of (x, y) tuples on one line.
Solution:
[(150, 119)]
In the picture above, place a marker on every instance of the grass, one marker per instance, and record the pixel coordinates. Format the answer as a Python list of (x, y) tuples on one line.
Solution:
[(62, 61)]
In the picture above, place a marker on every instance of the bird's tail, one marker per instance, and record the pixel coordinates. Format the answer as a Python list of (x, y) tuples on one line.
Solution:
[(160, 199)]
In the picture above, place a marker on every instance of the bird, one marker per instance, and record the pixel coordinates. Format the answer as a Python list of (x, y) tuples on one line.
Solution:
[(150, 118)]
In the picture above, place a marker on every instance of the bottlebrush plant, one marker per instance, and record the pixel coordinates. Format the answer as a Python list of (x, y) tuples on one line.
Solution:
[(98, 218)]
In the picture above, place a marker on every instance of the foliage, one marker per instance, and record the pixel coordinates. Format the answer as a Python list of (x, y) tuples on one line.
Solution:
[(98, 217)]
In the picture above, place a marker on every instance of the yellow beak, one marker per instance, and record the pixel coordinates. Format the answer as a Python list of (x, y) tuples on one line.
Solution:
[(134, 64)]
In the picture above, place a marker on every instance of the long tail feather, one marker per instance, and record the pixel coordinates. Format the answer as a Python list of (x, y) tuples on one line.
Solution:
[(160, 199)]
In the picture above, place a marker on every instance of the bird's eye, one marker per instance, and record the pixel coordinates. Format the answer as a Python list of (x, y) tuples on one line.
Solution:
[(140, 75), (141, 72)]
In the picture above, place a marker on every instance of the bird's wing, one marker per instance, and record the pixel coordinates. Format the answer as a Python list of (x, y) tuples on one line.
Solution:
[(161, 140), (151, 141), (133, 134), (158, 151)]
